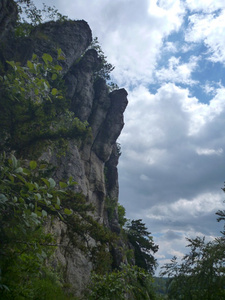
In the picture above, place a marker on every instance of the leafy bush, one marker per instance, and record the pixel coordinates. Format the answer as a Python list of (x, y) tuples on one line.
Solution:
[(130, 282), (28, 198), (33, 106)]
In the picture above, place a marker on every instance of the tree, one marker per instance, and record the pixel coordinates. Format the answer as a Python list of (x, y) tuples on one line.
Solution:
[(201, 274), (143, 245), (221, 214)]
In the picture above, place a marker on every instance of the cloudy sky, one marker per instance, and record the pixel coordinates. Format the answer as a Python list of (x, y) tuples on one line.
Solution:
[(169, 55)]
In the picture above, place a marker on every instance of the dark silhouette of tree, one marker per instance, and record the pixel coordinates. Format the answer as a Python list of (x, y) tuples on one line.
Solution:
[(143, 244)]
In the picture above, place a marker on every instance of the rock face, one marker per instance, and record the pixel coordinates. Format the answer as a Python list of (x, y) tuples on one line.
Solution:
[(8, 15), (90, 101)]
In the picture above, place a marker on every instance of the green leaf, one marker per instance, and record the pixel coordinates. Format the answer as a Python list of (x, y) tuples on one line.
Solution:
[(46, 182), (30, 186), (47, 58), (44, 213), (11, 177), (39, 214), (30, 64), (52, 182), (36, 185), (70, 181), (58, 68), (26, 171), (54, 91), (37, 197), (54, 76), (42, 166), (67, 211), (21, 178), (61, 57), (3, 198), (58, 202), (21, 200), (33, 164), (46, 86), (12, 64), (13, 161), (61, 217), (34, 215), (63, 185), (34, 56), (19, 170)]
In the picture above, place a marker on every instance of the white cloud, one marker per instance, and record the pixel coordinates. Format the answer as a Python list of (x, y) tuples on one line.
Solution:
[(205, 151), (205, 6), (177, 71), (208, 28), (187, 209), (130, 31), (209, 88), (170, 47)]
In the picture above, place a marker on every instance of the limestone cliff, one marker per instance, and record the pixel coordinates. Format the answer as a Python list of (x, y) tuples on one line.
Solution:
[(91, 101)]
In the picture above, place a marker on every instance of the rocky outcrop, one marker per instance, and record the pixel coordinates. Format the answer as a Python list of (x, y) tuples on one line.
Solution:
[(91, 101), (73, 37)]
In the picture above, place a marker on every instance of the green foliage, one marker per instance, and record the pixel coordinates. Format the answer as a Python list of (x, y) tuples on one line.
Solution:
[(27, 199), (201, 274), (143, 245), (121, 215), (30, 16), (160, 285), (33, 106), (104, 69), (130, 282), (111, 205)]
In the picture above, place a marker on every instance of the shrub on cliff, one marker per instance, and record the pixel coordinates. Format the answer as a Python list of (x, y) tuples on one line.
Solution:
[(33, 105)]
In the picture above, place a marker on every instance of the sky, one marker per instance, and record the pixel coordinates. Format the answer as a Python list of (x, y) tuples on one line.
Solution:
[(169, 56)]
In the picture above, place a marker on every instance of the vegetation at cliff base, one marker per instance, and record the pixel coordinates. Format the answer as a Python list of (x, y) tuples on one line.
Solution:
[(28, 197)]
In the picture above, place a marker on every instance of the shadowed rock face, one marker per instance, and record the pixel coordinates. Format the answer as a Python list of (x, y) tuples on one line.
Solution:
[(8, 15), (90, 101), (73, 37)]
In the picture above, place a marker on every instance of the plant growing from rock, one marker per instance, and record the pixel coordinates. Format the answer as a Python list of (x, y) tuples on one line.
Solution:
[(33, 105)]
